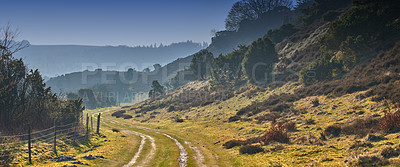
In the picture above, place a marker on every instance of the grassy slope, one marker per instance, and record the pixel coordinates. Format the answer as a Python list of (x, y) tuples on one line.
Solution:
[(207, 125)]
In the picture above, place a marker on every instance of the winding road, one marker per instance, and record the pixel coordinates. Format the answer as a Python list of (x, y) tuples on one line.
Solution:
[(198, 156)]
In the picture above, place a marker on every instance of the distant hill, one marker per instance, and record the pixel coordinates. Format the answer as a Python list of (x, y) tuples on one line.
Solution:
[(123, 86), (54, 60)]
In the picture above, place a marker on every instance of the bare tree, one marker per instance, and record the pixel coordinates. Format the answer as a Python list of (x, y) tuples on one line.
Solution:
[(251, 10), (8, 45)]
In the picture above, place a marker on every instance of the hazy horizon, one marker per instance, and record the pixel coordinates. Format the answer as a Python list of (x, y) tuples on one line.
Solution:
[(130, 23)]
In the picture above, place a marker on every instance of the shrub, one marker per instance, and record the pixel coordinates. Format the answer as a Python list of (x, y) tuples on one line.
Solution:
[(309, 121), (276, 133), (126, 116), (171, 108), (361, 127), (178, 119), (251, 140), (389, 152), (118, 114), (290, 126), (258, 61), (234, 118), (315, 102), (368, 160), (267, 117), (358, 144), (333, 130), (250, 149), (390, 122), (232, 143), (373, 138), (277, 148)]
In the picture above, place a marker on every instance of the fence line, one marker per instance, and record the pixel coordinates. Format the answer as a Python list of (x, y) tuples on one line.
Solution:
[(75, 131)]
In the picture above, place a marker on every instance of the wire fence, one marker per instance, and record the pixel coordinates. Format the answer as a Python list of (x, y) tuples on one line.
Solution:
[(44, 143)]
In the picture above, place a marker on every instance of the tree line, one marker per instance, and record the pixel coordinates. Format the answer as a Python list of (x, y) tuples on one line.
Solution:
[(24, 97)]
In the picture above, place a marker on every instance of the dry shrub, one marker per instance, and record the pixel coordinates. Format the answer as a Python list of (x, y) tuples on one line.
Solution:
[(361, 127), (232, 143), (276, 133), (290, 126), (389, 152), (118, 114), (234, 118), (278, 103), (126, 116), (368, 161), (315, 102), (267, 117), (373, 138), (252, 140), (250, 149), (309, 121), (277, 147), (390, 122), (333, 130), (178, 119), (360, 144), (309, 140)]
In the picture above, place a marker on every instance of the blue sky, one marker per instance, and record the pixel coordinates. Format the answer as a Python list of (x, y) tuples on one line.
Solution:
[(114, 22)]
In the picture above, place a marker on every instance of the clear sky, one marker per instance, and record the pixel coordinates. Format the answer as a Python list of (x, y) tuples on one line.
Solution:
[(114, 22)]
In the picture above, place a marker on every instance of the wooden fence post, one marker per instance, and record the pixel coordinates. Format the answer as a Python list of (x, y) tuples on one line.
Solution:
[(91, 123), (29, 144), (87, 126), (98, 124), (55, 138)]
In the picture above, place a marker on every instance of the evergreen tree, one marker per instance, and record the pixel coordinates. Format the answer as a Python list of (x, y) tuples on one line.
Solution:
[(156, 89), (201, 64), (258, 61)]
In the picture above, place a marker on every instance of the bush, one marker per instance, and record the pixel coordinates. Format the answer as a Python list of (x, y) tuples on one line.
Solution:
[(389, 152), (258, 61), (234, 118), (126, 116), (118, 114), (368, 160), (315, 102), (333, 130), (276, 133), (178, 119), (171, 108), (390, 122), (319, 70), (290, 126), (361, 127), (358, 144), (309, 121), (232, 143), (250, 149), (277, 148)]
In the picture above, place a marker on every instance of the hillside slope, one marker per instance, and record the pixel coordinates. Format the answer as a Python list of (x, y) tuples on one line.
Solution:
[(333, 100)]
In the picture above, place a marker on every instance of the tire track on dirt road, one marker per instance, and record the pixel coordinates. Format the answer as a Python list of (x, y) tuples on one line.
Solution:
[(149, 156)]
